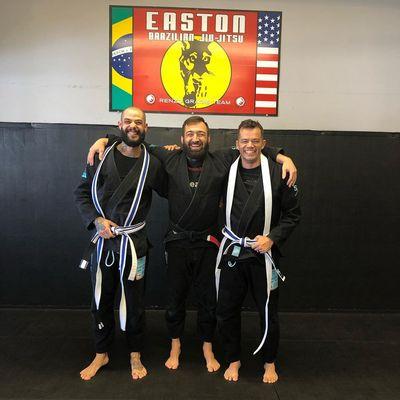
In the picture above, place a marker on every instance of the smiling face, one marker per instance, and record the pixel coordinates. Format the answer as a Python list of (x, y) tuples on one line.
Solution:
[(195, 140), (250, 142), (133, 126)]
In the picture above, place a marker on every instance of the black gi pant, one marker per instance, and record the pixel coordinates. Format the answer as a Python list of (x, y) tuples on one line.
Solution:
[(187, 266), (103, 318), (233, 286)]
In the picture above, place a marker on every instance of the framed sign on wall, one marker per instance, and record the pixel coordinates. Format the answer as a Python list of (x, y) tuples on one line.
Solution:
[(199, 61)]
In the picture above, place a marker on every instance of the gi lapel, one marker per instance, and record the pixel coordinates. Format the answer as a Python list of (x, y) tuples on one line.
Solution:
[(251, 205), (183, 174), (188, 214), (128, 183), (111, 168)]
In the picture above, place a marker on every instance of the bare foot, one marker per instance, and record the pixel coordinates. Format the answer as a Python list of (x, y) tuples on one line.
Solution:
[(211, 362), (173, 360), (100, 360), (270, 375), (137, 368), (232, 373)]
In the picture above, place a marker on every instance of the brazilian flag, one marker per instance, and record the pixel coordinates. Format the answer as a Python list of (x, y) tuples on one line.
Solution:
[(121, 57)]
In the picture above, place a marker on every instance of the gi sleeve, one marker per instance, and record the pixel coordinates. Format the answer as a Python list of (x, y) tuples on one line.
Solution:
[(159, 152), (290, 214), (160, 184), (227, 156), (83, 196), (272, 152), (112, 139)]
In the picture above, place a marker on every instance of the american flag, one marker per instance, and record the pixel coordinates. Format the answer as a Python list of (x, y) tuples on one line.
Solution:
[(267, 71)]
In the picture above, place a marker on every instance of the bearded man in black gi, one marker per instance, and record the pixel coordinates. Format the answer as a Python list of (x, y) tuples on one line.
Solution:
[(195, 181), (261, 211), (113, 198)]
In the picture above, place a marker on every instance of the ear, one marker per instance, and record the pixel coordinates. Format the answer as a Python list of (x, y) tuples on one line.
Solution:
[(146, 126), (120, 124), (181, 139), (264, 143), (237, 143)]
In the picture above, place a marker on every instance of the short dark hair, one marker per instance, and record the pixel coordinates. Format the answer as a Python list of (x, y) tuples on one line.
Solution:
[(251, 124), (194, 119)]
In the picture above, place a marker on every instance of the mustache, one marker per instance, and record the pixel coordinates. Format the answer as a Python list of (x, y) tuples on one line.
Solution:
[(135, 142), (195, 154)]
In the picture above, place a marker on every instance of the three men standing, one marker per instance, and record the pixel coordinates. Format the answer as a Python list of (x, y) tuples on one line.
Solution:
[(195, 181)]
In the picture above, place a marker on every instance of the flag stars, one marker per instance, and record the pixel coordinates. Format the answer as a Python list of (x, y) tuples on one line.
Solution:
[(268, 29)]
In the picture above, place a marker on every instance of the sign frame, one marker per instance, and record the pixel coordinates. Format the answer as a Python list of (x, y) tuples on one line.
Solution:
[(184, 110)]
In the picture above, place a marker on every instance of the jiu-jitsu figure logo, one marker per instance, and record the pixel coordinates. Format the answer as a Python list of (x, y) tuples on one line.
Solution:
[(193, 65), (196, 74)]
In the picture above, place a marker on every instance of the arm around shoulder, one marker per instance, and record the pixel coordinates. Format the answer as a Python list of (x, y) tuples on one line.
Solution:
[(288, 167)]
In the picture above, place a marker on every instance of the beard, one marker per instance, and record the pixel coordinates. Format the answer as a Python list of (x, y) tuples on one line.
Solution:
[(195, 154), (132, 143)]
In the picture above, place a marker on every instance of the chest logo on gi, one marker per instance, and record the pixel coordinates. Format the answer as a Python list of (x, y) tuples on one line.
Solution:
[(196, 74), (193, 184)]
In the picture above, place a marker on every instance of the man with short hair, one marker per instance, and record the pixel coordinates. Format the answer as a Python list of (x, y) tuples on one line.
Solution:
[(114, 198), (196, 178), (261, 211)]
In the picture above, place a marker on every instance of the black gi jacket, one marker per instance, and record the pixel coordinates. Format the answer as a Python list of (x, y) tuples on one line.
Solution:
[(116, 197), (247, 215), (195, 214)]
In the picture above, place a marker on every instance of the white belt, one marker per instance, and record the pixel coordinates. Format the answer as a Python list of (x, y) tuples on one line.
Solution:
[(123, 231)]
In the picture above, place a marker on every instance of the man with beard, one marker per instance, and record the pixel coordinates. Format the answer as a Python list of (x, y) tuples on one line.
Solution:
[(195, 181), (113, 198)]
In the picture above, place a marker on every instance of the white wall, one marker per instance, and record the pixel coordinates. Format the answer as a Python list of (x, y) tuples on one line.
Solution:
[(340, 63)]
